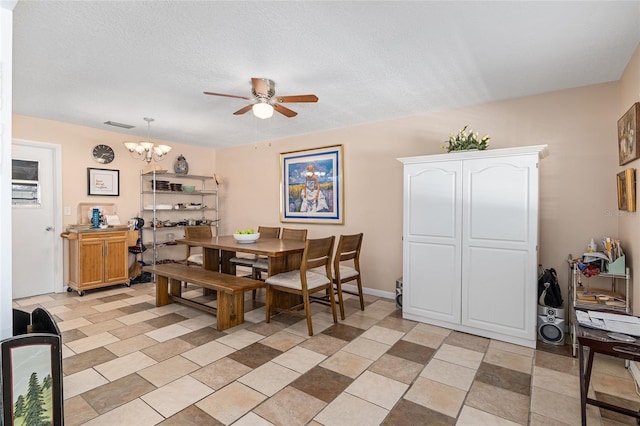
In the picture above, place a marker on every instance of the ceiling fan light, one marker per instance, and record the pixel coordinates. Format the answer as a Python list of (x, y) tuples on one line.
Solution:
[(262, 110)]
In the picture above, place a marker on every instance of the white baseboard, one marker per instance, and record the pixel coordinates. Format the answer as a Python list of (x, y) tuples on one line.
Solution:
[(371, 291)]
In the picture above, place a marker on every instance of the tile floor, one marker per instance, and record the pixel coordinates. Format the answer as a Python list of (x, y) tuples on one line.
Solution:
[(127, 362)]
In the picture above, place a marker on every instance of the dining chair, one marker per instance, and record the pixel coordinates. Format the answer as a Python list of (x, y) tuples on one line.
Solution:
[(196, 232), (348, 249), (262, 263), (317, 253), (248, 262)]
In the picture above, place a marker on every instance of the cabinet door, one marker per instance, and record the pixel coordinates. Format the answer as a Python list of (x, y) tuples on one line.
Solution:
[(91, 263), (499, 244), (116, 260), (432, 215)]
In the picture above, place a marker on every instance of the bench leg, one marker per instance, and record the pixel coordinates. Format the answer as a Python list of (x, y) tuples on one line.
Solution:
[(230, 310), (162, 291), (175, 287)]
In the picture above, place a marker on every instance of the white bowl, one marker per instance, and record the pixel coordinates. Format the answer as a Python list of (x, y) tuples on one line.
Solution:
[(247, 238)]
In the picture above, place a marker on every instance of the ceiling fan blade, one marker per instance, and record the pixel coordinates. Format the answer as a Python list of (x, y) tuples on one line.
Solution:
[(243, 110), (297, 98), (284, 110), (228, 96)]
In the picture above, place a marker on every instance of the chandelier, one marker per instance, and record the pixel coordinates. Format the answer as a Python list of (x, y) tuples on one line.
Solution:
[(146, 150)]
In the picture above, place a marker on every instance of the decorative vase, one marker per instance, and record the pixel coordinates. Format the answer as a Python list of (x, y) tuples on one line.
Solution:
[(181, 167), (95, 218)]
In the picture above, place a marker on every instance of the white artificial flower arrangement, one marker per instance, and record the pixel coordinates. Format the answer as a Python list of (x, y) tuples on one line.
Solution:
[(466, 140)]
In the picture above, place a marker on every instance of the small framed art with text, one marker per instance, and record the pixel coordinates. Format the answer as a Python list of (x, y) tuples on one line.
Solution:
[(103, 182)]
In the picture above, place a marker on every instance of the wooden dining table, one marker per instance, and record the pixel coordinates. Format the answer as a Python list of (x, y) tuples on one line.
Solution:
[(283, 255)]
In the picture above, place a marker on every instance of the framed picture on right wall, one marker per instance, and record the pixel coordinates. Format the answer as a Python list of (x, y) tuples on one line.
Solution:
[(628, 137), (627, 190)]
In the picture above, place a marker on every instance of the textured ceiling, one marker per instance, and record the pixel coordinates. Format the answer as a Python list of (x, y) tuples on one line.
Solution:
[(86, 62)]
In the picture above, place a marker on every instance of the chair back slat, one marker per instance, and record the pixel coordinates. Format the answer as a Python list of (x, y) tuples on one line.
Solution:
[(293, 234), (317, 253), (198, 232), (348, 248), (269, 231)]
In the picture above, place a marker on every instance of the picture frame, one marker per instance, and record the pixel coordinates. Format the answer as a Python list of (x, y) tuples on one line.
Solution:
[(103, 182), (628, 135), (312, 185), (32, 363), (627, 190)]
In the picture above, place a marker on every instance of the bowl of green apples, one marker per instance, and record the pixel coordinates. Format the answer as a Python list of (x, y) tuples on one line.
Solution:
[(246, 236)]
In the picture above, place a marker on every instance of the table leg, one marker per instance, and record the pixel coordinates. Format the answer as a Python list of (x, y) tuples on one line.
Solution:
[(585, 379), (211, 259), (583, 389), (225, 262), (162, 291), (284, 264)]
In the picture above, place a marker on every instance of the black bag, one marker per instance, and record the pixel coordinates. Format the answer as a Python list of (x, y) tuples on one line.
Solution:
[(549, 293)]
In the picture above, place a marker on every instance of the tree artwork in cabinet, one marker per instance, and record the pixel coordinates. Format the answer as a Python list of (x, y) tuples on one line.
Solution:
[(470, 242)]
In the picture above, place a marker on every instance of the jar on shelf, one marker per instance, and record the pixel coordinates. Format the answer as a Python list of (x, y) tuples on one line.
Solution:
[(181, 167)]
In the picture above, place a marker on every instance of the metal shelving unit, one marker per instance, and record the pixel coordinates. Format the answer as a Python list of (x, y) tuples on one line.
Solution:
[(576, 285), (156, 214)]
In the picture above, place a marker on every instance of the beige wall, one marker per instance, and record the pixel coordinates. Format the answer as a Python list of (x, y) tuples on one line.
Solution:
[(578, 187), (629, 223), (578, 193), (77, 143)]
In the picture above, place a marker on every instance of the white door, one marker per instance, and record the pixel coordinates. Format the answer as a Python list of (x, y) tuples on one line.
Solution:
[(499, 245), (36, 249), (432, 246)]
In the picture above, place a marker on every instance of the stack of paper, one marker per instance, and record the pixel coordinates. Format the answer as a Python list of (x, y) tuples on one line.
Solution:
[(625, 324)]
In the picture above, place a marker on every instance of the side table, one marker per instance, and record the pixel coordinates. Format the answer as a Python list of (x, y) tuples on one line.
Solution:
[(598, 341)]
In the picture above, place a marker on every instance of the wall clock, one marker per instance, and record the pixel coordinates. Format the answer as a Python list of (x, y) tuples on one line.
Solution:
[(103, 154)]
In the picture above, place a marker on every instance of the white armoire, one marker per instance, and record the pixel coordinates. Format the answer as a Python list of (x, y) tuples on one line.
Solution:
[(470, 241)]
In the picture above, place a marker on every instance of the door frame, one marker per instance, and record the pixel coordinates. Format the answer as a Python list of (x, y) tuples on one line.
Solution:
[(58, 259)]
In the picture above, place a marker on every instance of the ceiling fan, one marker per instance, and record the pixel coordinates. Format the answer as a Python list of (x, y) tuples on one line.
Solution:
[(264, 99)]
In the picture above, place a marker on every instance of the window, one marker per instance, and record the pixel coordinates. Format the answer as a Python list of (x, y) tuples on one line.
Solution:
[(25, 187)]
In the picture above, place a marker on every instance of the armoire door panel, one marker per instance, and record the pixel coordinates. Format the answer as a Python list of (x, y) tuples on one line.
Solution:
[(498, 201), (497, 290), (434, 273), (432, 200)]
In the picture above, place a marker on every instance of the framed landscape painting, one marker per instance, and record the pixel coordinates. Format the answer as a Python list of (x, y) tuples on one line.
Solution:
[(312, 185), (628, 138)]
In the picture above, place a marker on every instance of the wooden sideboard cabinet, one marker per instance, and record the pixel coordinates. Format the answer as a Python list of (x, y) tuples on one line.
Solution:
[(98, 259)]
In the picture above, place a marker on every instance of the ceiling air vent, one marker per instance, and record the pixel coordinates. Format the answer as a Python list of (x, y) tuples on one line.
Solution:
[(115, 123)]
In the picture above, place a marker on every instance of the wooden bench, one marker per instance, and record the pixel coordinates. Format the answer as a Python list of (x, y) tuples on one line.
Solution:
[(229, 289)]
